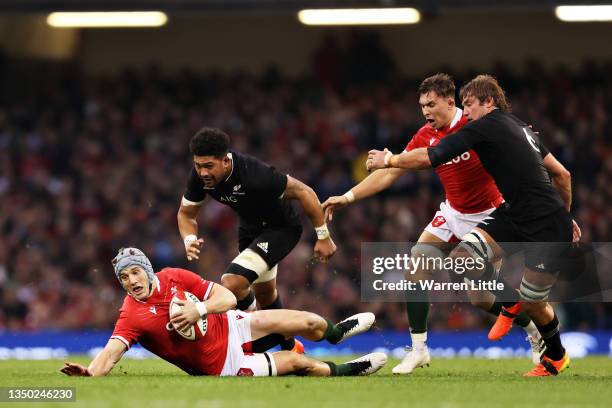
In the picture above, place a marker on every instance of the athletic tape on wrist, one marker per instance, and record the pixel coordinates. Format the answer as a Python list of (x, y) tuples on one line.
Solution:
[(189, 239), (349, 196), (201, 309), (322, 232)]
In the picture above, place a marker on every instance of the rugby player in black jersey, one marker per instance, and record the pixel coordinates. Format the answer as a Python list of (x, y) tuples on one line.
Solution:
[(269, 225), (534, 212)]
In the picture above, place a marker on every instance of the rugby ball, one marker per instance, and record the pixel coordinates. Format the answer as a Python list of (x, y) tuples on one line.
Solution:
[(198, 329)]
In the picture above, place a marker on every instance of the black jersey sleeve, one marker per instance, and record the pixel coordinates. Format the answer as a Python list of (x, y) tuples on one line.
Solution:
[(266, 180), (195, 188), (453, 145), (543, 149)]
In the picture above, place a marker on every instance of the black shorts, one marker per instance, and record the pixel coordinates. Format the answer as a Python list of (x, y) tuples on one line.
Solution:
[(542, 240), (272, 244)]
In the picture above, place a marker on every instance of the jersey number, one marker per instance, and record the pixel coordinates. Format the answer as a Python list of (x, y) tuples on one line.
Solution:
[(531, 140)]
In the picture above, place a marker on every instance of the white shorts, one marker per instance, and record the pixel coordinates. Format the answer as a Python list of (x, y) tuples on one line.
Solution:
[(237, 361), (449, 223)]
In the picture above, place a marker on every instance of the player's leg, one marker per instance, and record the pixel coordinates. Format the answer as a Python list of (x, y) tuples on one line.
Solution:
[(288, 363), (535, 289), (488, 302), (311, 326), (292, 363), (272, 246), (239, 276), (417, 303)]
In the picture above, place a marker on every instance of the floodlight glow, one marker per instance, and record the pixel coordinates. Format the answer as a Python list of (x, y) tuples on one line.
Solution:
[(107, 19), (371, 16), (584, 13)]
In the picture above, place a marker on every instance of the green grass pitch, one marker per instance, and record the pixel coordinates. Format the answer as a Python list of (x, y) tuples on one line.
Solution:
[(451, 383)]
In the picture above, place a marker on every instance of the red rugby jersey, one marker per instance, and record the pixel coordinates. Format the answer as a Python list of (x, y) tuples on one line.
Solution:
[(148, 323), (469, 188)]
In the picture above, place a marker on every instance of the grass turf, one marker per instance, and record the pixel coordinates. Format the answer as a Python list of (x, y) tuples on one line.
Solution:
[(447, 384)]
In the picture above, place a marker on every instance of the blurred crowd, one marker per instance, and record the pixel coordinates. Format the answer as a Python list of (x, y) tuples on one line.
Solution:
[(91, 164)]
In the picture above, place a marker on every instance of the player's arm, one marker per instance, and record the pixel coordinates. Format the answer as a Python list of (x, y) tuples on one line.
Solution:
[(188, 228), (220, 300), (373, 184), (562, 181), (423, 157), (101, 365), (296, 190), (561, 178)]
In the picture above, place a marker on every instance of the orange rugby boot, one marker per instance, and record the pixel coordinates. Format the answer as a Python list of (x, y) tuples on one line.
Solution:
[(504, 321), (548, 367)]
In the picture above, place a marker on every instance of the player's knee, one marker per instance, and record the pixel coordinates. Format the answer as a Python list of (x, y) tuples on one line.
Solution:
[(238, 284), (431, 256)]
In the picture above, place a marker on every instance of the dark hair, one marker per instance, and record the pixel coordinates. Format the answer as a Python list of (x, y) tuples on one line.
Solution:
[(209, 142), (442, 84), (483, 87)]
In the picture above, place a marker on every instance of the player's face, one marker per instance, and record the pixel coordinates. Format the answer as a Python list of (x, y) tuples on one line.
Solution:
[(438, 110), (135, 280), (474, 109), (212, 170)]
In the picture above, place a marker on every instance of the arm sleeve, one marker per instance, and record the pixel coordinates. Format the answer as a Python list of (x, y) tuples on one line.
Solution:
[(265, 179), (543, 149), (194, 192), (125, 331), (452, 146), (195, 283)]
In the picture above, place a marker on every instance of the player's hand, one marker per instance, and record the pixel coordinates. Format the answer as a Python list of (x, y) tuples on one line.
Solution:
[(193, 249), (187, 316), (376, 159), (324, 249), (75, 370), (576, 233), (331, 204)]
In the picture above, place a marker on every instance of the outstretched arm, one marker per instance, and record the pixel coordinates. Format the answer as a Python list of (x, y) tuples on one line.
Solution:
[(296, 190), (102, 364), (375, 183), (423, 157)]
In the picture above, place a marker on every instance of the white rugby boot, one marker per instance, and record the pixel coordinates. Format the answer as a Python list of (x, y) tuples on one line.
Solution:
[(414, 358)]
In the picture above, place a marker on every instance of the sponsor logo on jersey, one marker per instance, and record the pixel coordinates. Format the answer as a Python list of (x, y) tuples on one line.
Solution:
[(153, 310), (437, 221), (540, 266), (237, 187), (465, 156), (228, 199), (263, 246), (432, 141)]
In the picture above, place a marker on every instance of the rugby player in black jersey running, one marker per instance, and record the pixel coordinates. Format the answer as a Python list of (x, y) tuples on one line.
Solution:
[(534, 211), (269, 225)]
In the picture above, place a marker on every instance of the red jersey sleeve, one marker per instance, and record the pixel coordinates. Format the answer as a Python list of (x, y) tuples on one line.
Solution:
[(194, 283), (125, 331)]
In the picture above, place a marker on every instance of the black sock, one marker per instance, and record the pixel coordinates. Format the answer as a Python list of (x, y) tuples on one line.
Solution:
[(552, 338), (522, 319), (265, 343), (495, 309), (286, 344), (243, 304)]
